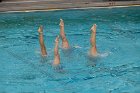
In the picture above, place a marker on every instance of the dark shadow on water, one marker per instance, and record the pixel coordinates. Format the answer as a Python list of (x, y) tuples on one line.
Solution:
[(43, 59), (59, 69), (92, 61), (68, 52), (27, 76)]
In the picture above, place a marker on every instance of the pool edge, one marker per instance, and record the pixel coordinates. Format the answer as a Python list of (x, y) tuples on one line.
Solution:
[(57, 9), (46, 6)]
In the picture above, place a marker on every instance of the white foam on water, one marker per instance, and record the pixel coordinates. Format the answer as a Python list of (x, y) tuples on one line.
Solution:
[(105, 54), (102, 55), (76, 46)]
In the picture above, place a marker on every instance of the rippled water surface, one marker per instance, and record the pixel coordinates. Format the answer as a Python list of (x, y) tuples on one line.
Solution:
[(116, 70)]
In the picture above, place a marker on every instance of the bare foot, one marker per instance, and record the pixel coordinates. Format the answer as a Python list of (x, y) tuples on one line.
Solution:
[(40, 29), (61, 22), (93, 28), (57, 39)]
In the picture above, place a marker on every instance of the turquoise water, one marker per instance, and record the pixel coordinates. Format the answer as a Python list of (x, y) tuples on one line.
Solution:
[(116, 70)]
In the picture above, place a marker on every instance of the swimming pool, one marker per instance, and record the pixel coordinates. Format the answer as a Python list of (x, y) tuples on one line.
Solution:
[(117, 70)]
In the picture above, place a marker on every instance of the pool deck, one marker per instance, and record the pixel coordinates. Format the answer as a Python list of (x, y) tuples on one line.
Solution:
[(44, 5)]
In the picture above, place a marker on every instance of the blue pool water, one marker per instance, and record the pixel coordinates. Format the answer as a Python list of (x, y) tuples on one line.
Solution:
[(116, 70)]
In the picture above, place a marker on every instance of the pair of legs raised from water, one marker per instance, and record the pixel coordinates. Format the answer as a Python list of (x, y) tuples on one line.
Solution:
[(65, 44)]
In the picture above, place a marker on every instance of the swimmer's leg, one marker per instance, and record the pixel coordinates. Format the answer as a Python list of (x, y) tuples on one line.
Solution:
[(41, 41), (56, 53), (93, 50), (65, 43)]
